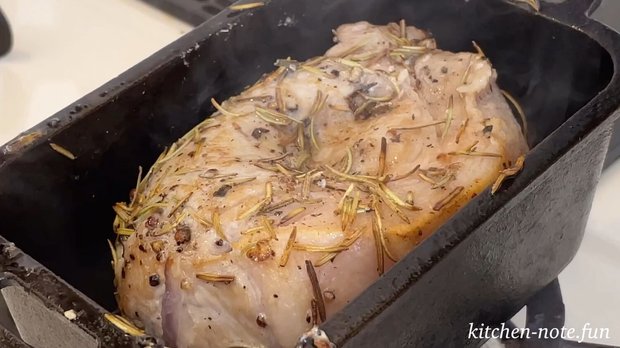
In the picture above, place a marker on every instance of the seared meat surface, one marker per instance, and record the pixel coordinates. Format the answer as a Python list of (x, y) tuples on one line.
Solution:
[(348, 160)]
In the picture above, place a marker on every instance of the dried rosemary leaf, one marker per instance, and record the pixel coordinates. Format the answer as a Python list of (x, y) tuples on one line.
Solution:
[(123, 324), (316, 71), (260, 205), (217, 225), (274, 117), (289, 245), (403, 28), (378, 224), (301, 138), (318, 248), (353, 49), (291, 214), (444, 201), (268, 226), (201, 221), (406, 175), (395, 199), (346, 194), (379, 249), (61, 150), (461, 130), (279, 100), (180, 203), (474, 153), (276, 206), (534, 4), (136, 193), (505, 173), (247, 6), (215, 278), (478, 49), (467, 69), (121, 212), (313, 139), (346, 243), (316, 290), (125, 231), (238, 181), (449, 116), (417, 127), (114, 256), (382, 155), (222, 110)]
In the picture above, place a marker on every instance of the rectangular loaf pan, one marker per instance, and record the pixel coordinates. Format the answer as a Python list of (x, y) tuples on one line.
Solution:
[(481, 266)]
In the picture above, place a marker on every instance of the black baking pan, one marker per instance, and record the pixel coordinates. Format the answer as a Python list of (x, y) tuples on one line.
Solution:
[(481, 266)]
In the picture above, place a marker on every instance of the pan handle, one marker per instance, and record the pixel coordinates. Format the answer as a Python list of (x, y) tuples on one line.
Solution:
[(574, 12)]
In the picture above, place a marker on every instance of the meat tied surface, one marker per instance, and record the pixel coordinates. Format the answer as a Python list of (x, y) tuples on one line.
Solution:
[(202, 264)]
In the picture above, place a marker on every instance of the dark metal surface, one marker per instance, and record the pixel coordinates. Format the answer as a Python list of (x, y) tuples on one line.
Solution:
[(194, 12), (545, 313), (481, 266), (6, 38)]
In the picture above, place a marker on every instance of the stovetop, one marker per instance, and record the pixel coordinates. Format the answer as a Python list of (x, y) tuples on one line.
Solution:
[(53, 63)]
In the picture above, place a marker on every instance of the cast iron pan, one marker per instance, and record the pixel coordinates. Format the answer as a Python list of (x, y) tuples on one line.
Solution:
[(481, 266)]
